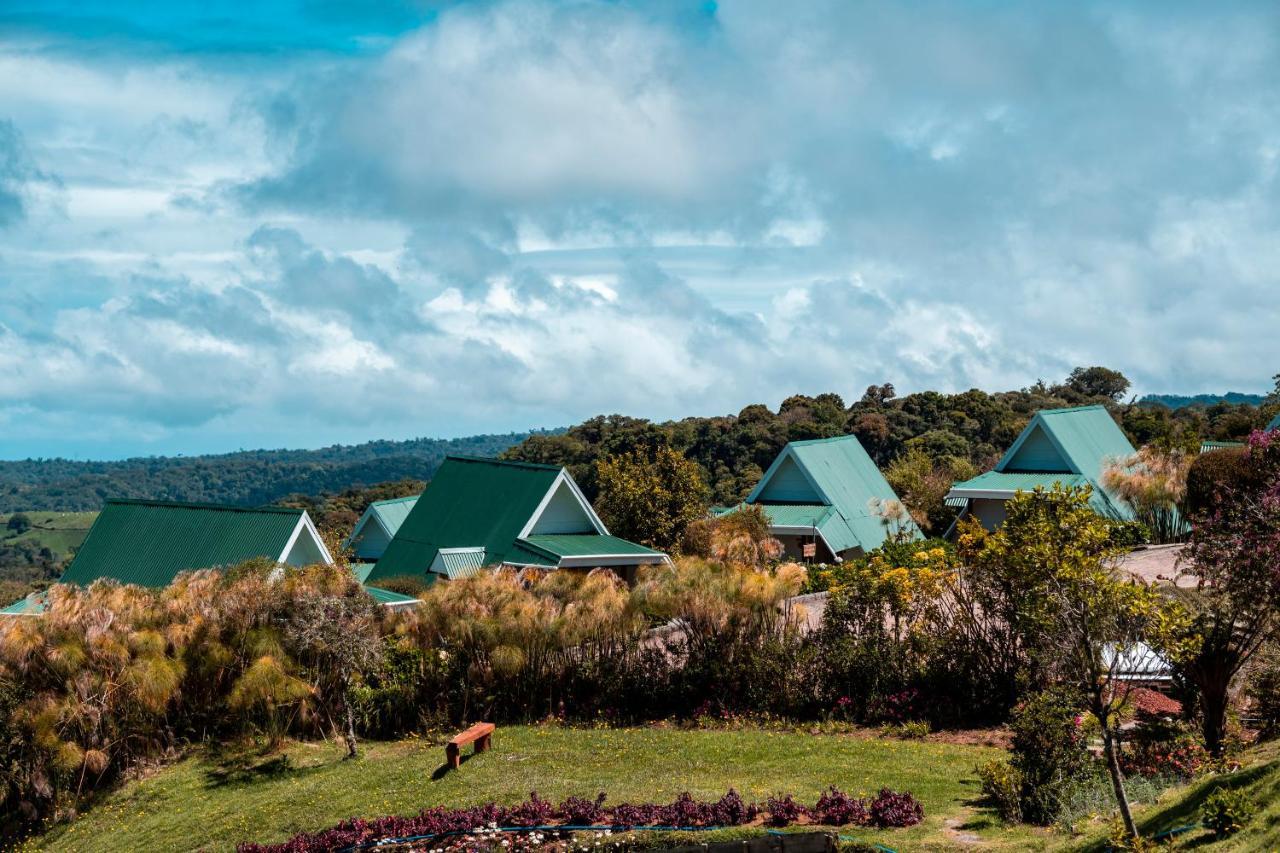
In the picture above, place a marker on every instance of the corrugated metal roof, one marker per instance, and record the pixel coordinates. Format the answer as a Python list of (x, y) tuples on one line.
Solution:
[(150, 542), (846, 476), (1088, 439), (33, 605), (470, 503), (797, 515), (1206, 446), (1275, 422), (392, 513), (387, 597), (1087, 436), (526, 555), (587, 545), (1015, 481), (462, 564), (361, 570)]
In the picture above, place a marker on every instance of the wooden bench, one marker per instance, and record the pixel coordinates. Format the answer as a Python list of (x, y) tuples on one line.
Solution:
[(481, 734)]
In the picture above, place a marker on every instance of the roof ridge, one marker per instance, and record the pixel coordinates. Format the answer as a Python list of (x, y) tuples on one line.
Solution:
[(196, 505), (514, 463), (386, 501), (829, 440), (1065, 409)]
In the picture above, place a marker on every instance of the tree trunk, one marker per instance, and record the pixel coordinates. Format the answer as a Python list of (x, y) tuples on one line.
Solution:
[(1117, 779), (1213, 706)]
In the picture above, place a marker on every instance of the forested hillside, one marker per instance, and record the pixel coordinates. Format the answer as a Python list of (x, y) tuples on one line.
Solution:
[(247, 478), (958, 434)]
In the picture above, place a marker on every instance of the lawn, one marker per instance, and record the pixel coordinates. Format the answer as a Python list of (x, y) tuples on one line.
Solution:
[(199, 804)]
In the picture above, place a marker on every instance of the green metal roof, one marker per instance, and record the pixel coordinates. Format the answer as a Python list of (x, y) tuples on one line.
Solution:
[(387, 597), (150, 542), (844, 475), (393, 512), (1206, 446), (33, 605), (797, 515), (587, 545), (471, 502), (462, 564), (522, 554), (361, 571), (1016, 481), (1275, 422), (1082, 440), (1086, 437)]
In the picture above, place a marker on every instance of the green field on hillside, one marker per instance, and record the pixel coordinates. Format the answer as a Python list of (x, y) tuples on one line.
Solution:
[(200, 803), (34, 558), (60, 532)]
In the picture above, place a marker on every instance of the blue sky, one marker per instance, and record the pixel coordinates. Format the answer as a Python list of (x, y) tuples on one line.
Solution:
[(293, 224)]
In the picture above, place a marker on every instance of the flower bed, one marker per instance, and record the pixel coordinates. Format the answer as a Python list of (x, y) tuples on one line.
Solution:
[(537, 822)]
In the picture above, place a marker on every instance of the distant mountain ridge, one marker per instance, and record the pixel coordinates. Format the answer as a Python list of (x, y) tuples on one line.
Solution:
[(1180, 401), (244, 478)]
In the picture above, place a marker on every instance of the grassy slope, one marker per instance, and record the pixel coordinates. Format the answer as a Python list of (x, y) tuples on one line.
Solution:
[(59, 531), (195, 805), (1260, 777)]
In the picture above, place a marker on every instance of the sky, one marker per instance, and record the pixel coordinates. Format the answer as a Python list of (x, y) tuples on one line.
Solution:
[(293, 224)]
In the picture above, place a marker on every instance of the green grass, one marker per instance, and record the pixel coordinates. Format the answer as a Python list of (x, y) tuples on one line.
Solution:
[(58, 531), (197, 804), (1259, 777)]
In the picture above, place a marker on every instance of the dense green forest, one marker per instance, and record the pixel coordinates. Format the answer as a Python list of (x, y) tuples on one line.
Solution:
[(247, 478), (1178, 401), (971, 428)]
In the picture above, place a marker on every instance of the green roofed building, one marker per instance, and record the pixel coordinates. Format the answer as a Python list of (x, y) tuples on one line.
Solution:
[(1070, 447), (825, 493), (150, 542), (483, 512), (378, 526), (1275, 423)]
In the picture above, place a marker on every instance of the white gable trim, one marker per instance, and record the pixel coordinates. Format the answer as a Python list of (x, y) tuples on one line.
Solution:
[(305, 524), (592, 561), (563, 477), (787, 452)]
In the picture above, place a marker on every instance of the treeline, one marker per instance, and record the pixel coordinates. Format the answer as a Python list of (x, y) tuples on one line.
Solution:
[(247, 478), (973, 427)]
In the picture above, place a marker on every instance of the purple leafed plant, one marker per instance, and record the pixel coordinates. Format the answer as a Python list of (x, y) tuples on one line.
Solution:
[(454, 829)]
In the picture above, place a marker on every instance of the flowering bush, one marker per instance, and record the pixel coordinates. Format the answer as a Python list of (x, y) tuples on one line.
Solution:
[(478, 827), (1183, 757)]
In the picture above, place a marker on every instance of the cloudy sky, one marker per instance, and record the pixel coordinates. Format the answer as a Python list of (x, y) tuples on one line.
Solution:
[(300, 223)]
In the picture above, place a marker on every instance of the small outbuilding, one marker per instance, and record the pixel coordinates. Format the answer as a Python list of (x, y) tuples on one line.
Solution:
[(823, 499), (480, 513)]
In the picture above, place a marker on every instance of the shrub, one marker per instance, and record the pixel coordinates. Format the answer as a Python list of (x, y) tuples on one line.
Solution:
[(891, 809), (783, 811), (1119, 840), (1002, 783), (577, 811), (1226, 811), (910, 730), (836, 808), (1049, 751)]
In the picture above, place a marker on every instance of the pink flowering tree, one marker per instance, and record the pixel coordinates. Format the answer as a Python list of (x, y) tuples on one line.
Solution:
[(1234, 553)]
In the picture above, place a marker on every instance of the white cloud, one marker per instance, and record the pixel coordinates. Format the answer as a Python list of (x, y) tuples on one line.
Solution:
[(524, 213)]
